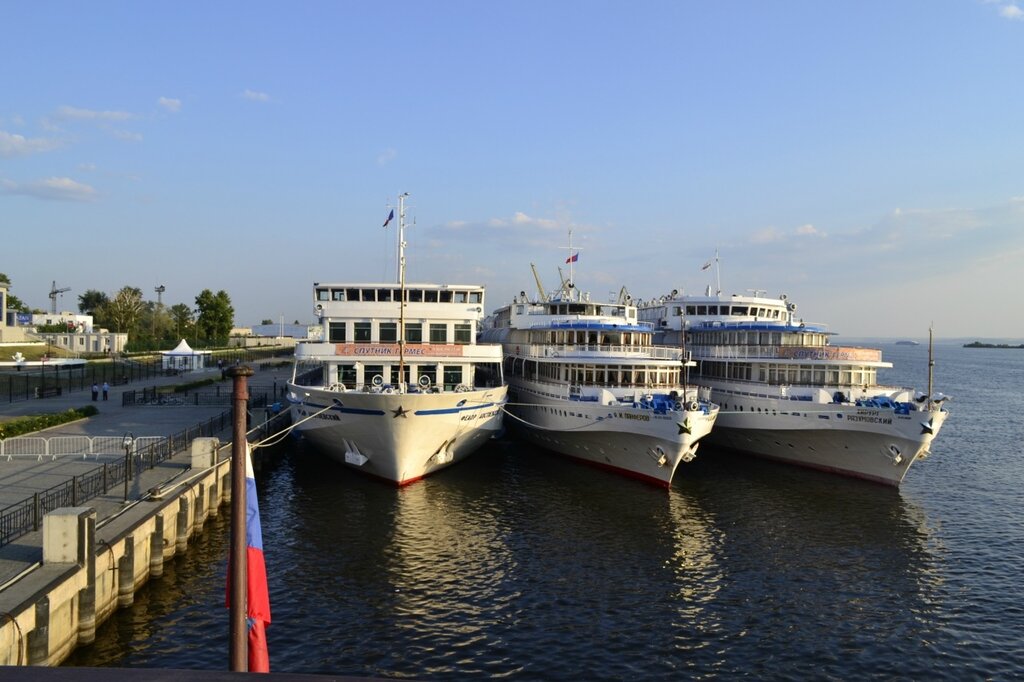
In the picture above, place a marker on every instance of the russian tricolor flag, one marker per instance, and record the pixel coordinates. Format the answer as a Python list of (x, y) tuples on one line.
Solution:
[(573, 258), (258, 595)]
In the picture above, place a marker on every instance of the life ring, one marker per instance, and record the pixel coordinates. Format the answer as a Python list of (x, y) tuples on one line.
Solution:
[(389, 390), (694, 406), (377, 380), (424, 381)]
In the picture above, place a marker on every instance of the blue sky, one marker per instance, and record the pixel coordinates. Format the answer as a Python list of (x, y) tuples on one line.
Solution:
[(865, 158)]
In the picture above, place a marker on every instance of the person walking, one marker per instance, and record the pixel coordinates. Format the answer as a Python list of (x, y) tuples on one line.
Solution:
[(106, 389), (95, 392)]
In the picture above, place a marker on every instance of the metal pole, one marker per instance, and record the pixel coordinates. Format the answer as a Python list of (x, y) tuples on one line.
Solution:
[(238, 650)]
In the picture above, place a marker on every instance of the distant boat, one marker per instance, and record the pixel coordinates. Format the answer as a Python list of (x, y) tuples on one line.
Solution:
[(908, 343)]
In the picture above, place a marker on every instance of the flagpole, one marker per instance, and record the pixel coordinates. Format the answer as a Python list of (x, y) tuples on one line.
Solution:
[(238, 647)]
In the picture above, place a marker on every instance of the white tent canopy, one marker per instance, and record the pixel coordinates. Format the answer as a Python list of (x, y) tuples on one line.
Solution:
[(184, 358)]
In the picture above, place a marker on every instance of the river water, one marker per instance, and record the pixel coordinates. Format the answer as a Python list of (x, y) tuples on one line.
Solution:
[(521, 565)]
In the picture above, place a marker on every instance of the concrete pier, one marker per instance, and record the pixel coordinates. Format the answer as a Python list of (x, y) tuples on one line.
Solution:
[(58, 584)]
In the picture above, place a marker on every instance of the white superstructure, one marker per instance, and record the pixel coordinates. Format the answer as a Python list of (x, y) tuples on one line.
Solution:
[(398, 391), (787, 394), (585, 381)]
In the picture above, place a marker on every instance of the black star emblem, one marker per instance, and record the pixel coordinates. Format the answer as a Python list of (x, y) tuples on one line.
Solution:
[(684, 426), (399, 412), (926, 427)]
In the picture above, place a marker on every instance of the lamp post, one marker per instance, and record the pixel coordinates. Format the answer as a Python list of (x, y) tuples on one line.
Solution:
[(126, 443)]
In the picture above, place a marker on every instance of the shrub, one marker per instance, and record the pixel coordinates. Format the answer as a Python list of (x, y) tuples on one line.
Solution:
[(23, 425)]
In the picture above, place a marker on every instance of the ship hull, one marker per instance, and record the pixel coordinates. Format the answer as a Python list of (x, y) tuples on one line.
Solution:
[(637, 443), (874, 444), (397, 437)]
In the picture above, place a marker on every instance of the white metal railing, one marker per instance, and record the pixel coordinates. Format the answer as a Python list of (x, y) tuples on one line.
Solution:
[(70, 446)]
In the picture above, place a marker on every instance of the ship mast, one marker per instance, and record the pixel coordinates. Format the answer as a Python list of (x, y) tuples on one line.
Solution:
[(931, 361), (401, 289)]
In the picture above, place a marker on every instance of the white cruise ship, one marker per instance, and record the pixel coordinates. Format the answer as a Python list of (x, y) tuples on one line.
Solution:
[(397, 391), (586, 382), (787, 394)]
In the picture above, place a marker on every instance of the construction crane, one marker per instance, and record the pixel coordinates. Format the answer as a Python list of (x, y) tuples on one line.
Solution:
[(53, 296)]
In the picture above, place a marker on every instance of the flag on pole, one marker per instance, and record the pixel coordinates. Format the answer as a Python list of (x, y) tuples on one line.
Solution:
[(573, 258), (257, 616), (390, 217), (706, 266)]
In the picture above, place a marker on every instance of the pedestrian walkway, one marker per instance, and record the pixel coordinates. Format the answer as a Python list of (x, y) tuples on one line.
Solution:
[(21, 477)]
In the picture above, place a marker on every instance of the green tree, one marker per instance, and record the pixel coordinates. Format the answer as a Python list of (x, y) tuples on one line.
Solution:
[(91, 301), (267, 321), (123, 311), (216, 316), (13, 302), (181, 320)]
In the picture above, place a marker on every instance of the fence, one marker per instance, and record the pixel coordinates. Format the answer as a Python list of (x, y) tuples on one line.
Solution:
[(26, 516), (69, 446), (52, 380)]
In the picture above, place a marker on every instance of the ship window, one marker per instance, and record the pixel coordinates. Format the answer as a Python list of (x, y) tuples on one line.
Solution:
[(383, 294), (389, 332), (463, 333), (336, 332), (413, 332), (438, 333), (370, 371), (369, 294), (337, 294), (323, 295), (702, 310), (460, 296), (394, 375), (452, 376), (476, 297), (446, 297), (429, 371), (352, 294), (739, 310), (415, 295), (362, 332), (347, 375), (691, 310), (430, 296)]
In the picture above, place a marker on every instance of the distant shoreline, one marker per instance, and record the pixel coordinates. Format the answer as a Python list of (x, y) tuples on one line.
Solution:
[(979, 344)]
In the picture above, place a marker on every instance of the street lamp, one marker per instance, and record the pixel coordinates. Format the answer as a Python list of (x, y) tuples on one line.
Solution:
[(126, 443)]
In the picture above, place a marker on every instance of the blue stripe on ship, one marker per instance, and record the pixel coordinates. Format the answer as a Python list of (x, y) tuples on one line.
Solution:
[(453, 410)]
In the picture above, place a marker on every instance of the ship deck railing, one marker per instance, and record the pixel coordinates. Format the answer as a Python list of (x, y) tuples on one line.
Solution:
[(781, 352), (592, 352)]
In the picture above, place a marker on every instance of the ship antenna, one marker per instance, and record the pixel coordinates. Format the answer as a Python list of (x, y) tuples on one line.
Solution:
[(401, 289), (718, 274), (571, 260), (931, 358)]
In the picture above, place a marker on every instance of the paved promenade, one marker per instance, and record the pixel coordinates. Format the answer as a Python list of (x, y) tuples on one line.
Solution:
[(23, 476)]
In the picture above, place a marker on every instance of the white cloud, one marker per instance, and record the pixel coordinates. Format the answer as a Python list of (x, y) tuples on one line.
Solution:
[(127, 135), (386, 157), (256, 96), (52, 189), (809, 230), (1011, 12), (67, 112), (18, 145), (767, 235), (172, 105)]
